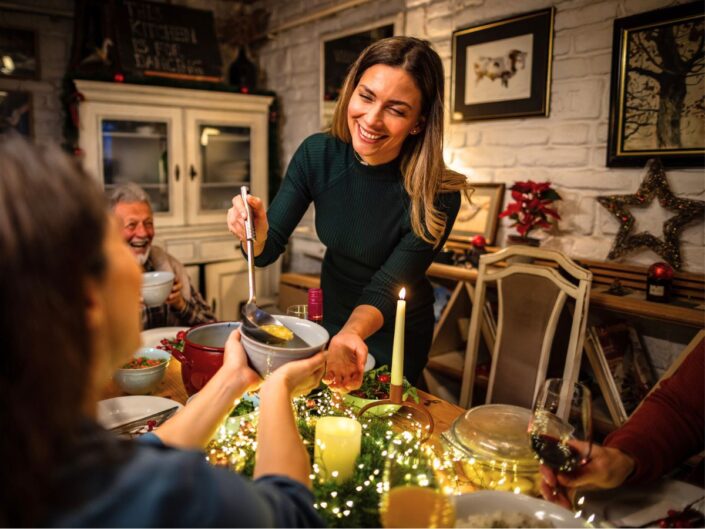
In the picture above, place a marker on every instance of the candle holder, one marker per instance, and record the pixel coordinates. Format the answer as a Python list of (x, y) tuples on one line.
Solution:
[(422, 415)]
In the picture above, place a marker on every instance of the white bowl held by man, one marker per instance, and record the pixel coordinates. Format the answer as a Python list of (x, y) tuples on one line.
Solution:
[(156, 287)]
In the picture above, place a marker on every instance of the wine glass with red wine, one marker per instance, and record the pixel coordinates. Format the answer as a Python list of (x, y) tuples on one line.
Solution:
[(563, 411)]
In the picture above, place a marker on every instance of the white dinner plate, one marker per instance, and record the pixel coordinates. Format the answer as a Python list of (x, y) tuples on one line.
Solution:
[(153, 337), (370, 362), (113, 412), (490, 501)]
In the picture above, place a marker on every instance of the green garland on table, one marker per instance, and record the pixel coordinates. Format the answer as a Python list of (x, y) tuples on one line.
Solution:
[(353, 503)]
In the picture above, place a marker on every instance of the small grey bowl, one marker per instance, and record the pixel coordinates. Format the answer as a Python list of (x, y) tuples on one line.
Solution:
[(265, 358), (143, 381), (156, 287)]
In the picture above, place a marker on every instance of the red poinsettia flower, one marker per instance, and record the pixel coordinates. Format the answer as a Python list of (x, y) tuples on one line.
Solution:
[(531, 207)]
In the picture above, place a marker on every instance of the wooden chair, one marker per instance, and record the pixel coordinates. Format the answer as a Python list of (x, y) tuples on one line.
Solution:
[(531, 297)]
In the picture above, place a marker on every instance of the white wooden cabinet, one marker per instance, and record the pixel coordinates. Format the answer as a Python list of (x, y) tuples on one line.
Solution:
[(228, 289), (191, 150)]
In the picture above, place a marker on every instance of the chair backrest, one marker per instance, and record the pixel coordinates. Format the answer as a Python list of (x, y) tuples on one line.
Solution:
[(531, 297)]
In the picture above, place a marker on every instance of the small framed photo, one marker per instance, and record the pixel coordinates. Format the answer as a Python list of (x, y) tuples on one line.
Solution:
[(340, 50), (479, 216), (502, 69), (658, 81), (16, 111), (19, 57)]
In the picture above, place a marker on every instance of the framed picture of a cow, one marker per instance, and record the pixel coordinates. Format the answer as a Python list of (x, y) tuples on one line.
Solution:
[(502, 69)]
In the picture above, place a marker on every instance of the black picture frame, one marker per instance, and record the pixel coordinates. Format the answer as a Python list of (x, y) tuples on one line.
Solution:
[(338, 52), (511, 68), (641, 117), (19, 53), (341, 52), (16, 111)]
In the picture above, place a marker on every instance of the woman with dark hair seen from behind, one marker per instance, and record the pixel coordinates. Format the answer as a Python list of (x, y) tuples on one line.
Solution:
[(385, 204), (70, 304)]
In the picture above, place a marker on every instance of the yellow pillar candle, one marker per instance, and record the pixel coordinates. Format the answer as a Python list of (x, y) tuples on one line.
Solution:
[(337, 447), (398, 348)]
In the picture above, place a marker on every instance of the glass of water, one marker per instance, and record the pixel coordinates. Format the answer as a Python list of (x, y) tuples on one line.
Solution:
[(299, 311)]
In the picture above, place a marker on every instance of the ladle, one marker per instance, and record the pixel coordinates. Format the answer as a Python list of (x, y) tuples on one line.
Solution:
[(253, 317)]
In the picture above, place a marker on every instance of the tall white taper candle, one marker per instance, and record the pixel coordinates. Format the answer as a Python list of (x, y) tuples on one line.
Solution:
[(398, 348)]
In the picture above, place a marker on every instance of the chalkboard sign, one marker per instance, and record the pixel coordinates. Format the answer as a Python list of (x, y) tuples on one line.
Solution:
[(167, 41)]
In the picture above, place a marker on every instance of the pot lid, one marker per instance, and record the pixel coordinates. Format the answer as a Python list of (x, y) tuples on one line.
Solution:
[(496, 432)]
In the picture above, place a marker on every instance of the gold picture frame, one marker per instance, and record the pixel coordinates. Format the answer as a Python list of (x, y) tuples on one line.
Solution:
[(480, 216)]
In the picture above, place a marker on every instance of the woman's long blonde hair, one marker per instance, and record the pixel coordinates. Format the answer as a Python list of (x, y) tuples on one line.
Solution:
[(424, 171)]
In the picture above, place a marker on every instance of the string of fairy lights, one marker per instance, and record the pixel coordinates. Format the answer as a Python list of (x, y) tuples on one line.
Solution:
[(390, 455)]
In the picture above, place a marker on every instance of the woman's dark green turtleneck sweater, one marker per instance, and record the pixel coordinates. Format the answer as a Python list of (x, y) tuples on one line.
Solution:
[(362, 217)]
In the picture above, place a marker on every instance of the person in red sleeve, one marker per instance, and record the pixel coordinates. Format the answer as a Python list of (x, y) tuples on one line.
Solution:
[(666, 429)]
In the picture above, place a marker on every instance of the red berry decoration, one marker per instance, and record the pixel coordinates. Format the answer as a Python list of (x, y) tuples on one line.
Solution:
[(181, 335), (384, 378)]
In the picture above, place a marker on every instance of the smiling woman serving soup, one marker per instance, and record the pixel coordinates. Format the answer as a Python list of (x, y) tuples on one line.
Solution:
[(385, 204), (69, 319)]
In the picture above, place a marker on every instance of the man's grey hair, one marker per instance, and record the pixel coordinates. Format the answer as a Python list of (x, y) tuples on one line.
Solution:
[(128, 192)]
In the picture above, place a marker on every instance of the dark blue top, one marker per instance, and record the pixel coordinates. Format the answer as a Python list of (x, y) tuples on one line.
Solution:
[(113, 483)]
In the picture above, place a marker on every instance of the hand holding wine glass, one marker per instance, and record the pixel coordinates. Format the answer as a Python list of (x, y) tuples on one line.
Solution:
[(562, 414)]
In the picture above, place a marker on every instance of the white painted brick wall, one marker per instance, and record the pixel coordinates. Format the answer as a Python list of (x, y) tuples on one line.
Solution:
[(570, 134)]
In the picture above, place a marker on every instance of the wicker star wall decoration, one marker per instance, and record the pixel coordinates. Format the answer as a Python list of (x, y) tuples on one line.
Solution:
[(653, 185)]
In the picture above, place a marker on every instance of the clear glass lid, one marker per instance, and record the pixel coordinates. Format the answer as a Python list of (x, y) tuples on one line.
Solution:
[(495, 432)]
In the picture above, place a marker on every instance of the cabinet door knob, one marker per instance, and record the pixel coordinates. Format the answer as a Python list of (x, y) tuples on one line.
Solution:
[(177, 172), (192, 172)]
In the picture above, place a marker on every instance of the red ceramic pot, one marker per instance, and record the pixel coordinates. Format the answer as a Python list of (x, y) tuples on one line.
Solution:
[(203, 353)]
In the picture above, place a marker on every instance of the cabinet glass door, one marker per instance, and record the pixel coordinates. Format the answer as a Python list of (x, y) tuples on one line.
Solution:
[(224, 151), (224, 165), (137, 151), (141, 144)]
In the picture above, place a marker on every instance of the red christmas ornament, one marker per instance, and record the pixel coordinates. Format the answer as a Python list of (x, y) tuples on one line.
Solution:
[(478, 241), (659, 282), (661, 271)]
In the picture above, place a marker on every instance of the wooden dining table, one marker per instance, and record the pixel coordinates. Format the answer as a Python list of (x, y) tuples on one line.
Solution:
[(172, 387)]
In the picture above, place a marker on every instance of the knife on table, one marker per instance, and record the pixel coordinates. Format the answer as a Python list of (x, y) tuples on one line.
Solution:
[(157, 418)]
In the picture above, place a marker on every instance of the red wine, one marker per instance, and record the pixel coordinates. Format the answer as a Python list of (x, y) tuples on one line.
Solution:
[(560, 457)]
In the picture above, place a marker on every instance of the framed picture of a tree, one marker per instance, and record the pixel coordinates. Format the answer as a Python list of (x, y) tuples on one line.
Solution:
[(657, 101)]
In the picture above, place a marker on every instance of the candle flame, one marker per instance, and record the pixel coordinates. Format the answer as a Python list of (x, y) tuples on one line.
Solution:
[(402, 293)]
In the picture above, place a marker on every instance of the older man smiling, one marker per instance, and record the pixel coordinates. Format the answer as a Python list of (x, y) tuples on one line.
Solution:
[(184, 306)]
